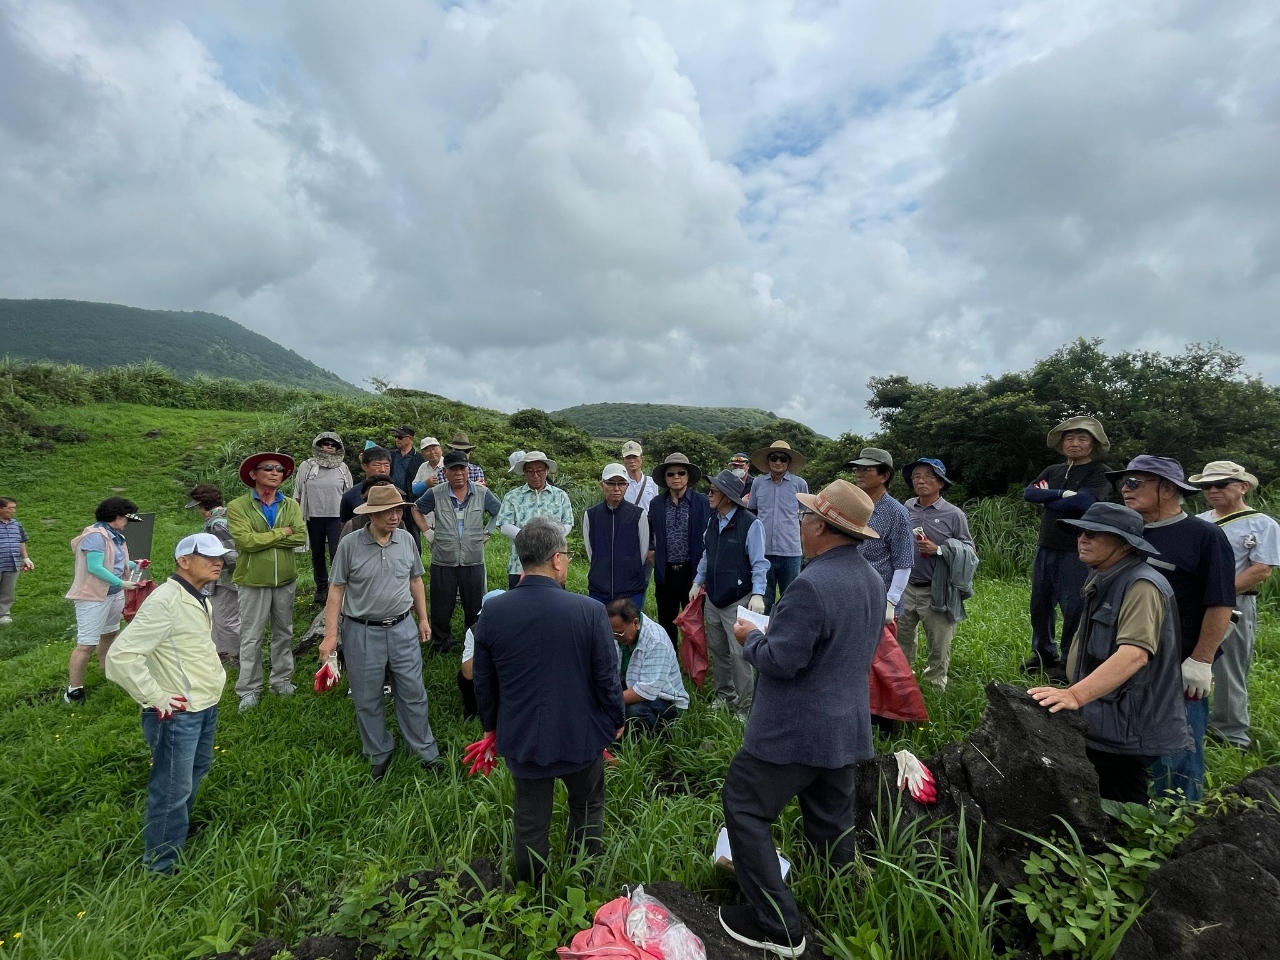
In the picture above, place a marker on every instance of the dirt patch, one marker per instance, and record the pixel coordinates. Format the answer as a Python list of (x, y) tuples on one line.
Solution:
[(703, 918)]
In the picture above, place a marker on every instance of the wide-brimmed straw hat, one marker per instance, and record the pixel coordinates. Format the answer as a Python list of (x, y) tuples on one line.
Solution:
[(934, 464), (675, 460), (731, 486), (760, 458), (534, 456), (1220, 470), (1113, 518), (251, 464), (1166, 468), (844, 506), (381, 498), (1089, 425)]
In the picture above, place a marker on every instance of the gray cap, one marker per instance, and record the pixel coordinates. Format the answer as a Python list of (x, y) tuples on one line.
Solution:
[(1115, 519), (872, 457)]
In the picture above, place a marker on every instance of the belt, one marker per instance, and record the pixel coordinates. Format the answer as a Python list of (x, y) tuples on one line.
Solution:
[(678, 566), (1249, 593), (389, 622), (920, 583)]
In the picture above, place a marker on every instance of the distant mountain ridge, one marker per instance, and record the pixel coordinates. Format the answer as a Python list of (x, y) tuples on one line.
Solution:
[(187, 343), (633, 419)]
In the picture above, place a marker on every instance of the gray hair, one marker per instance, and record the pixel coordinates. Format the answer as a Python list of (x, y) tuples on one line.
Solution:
[(538, 541)]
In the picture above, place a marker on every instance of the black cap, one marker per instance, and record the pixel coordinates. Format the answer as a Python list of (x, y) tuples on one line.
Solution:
[(405, 431), (455, 458)]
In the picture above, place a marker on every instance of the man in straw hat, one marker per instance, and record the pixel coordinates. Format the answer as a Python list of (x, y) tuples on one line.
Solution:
[(732, 573), (773, 498), (266, 527), (1196, 559), (536, 498), (1133, 650), (166, 661), (1255, 543), (1063, 491), (375, 586), (811, 721), (677, 521)]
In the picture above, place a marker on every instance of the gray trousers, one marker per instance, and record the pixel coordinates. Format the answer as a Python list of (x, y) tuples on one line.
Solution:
[(8, 582), (1229, 715), (257, 606), (368, 652), (939, 630), (226, 619), (735, 683)]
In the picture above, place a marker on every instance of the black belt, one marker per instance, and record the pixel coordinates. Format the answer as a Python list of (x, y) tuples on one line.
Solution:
[(678, 566), (389, 622), (920, 583), (1249, 593)]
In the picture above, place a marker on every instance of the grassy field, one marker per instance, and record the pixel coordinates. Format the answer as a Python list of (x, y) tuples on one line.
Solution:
[(288, 822)]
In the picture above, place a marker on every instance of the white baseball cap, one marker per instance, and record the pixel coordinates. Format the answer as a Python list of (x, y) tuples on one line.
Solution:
[(632, 449), (428, 442), (613, 470), (203, 544)]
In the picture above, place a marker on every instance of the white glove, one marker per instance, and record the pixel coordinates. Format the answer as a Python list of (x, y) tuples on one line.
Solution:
[(694, 591), (890, 611), (756, 604), (1197, 678), (915, 776), (168, 705), (28, 563), (1068, 493), (430, 534)]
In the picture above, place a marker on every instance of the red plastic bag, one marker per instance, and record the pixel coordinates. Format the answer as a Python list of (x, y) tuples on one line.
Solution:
[(895, 694), (133, 599), (638, 927), (693, 645)]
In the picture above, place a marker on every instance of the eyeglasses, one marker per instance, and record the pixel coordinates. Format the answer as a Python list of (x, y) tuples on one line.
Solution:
[(677, 473), (271, 468), (327, 443), (1133, 483), (567, 554), (615, 483), (779, 458), (620, 634), (1217, 485), (806, 513)]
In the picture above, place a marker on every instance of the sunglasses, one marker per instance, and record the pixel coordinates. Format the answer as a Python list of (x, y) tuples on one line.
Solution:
[(779, 458), (270, 468), (327, 443), (1133, 483), (1086, 534), (677, 473), (1217, 485)]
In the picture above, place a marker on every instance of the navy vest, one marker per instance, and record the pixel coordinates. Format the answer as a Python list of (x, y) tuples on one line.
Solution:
[(617, 569), (728, 565)]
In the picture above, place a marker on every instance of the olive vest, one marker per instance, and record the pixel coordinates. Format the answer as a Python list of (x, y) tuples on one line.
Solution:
[(447, 550)]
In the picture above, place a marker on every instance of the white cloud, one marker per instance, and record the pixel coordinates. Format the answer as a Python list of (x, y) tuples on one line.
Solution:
[(546, 202)]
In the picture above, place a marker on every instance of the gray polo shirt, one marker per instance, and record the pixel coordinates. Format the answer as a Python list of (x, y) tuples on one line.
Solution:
[(942, 521), (376, 578)]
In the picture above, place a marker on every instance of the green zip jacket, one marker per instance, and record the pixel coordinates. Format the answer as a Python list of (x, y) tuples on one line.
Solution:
[(266, 557)]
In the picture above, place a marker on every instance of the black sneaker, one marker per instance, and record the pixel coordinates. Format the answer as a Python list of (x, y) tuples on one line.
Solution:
[(379, 770), (435, 765), (74, 696), (1034, 665), (740, 923)]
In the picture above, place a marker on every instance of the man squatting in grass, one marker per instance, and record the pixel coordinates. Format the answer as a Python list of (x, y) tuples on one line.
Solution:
[(13, 556), (1123, 665), (98, 587), (166, 661), (652, 690), (811, 721), (266, 527), (1255, 543), (375, 584), (546, 680)]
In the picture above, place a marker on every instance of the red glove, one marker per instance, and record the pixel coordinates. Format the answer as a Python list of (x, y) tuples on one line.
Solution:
[(327, 676), (168, 705), (915, 776), (609, 758), (482, 755)]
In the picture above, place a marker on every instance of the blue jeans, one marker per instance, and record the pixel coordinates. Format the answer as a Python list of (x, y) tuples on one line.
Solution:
[(636, 598), (181, 754), (652, 714), (782, 570), (1185, 771)]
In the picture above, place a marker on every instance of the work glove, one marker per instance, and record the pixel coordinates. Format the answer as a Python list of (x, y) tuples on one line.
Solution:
[(756, 604), (1197, 678), (609, 758), (168, 705), (890, 611), (430, 534), (694, 591), (915, 776), (1068, 493), (28, 563), (328, 675), (482, 755)]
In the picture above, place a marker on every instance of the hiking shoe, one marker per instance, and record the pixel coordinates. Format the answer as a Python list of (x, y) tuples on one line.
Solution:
[(248, 702), (436, 764), (719, 703), (5, 620), (74, 696), (379, 770), (740, 923), (285, 690), (1034, 664)]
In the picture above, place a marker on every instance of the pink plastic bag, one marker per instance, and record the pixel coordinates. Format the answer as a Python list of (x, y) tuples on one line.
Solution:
[(636, 928)]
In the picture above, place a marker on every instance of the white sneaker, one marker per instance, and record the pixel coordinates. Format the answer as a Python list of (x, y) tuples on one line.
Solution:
[(248, 702), (5, 620), (286, 690)]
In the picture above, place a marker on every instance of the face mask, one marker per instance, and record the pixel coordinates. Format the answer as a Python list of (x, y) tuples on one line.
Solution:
[(739, 472)]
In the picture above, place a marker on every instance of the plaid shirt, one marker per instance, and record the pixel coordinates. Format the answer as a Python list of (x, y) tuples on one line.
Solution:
[(12, 536), (474, 474), (654, 672), (522, 504)]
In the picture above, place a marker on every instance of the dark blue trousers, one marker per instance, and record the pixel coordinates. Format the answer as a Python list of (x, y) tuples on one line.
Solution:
[(1056, 582)]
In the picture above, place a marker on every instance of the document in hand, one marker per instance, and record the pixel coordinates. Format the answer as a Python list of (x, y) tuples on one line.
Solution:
[(757, 620)]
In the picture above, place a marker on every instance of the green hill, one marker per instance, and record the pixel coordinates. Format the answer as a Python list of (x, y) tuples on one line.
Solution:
[(633, 419), (98, 335)]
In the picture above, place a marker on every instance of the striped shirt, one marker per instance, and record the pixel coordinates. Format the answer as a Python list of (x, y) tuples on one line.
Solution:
[(12, 536)]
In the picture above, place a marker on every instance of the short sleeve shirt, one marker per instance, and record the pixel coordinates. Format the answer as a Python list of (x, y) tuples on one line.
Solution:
[(1254, 538), (895, 549), (1196, 559), (941, 521), (376, 578), (12, 537)]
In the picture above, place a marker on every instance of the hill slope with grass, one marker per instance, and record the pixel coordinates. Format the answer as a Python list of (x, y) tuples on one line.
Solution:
[(633, 419), (98, 335)]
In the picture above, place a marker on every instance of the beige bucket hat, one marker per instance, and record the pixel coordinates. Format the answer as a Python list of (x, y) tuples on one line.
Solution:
[(1089, 425), (1220, 470)]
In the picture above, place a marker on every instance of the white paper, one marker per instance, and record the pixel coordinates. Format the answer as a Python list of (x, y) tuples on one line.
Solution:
[(757, 620), (724, 856)]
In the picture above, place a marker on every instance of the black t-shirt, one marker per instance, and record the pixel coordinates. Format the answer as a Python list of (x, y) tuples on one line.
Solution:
[(1195, 557), (1087, 478)]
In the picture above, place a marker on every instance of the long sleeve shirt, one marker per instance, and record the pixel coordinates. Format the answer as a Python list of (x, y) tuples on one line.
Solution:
[(755, 554)]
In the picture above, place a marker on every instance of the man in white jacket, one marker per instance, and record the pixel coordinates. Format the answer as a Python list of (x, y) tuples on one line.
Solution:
[(166, 661)]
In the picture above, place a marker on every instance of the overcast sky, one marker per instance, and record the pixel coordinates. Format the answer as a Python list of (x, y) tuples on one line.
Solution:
[(550, 202)]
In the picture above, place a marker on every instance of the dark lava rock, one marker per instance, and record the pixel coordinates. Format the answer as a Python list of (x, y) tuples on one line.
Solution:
[(153, 433), (703, 918), (264, 949), (1213, 903), (1256, 833), (1262, 785), (334, 948)]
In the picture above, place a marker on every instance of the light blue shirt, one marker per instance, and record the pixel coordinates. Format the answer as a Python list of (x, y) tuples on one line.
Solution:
[(779, 510), (654, 671), (755, 553)]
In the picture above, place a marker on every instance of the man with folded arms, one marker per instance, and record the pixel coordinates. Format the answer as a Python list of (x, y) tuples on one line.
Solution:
[(1255, 543), (374, 586), (811, 722), (166, 661)]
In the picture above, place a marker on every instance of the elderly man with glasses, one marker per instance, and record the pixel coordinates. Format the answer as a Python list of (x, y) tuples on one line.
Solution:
[(535, 498), (1196, 559), (615, 534), (266, 527), (677, 520), (773, 500)]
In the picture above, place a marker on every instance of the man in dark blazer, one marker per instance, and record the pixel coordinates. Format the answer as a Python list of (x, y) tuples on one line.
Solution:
[(547, 680), (678, 518), (811, 719)]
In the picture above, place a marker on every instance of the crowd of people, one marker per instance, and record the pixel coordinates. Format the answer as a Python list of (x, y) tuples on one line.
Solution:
[(800, 594)]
